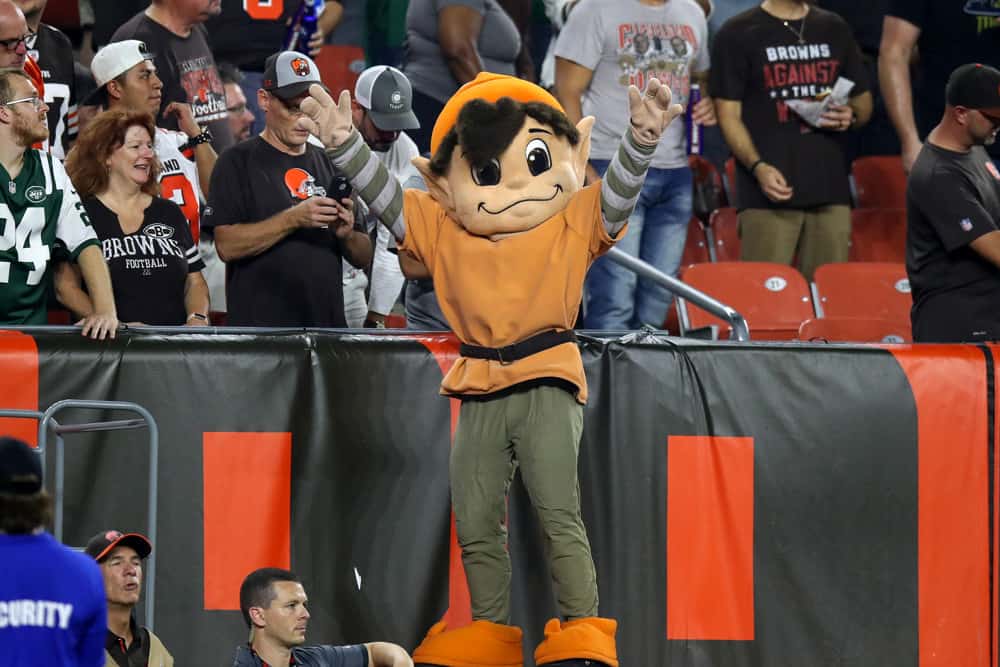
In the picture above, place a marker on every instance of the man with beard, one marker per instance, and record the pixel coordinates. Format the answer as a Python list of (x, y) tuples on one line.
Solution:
[(41, 212), (53, 52), (953, 213), (381, 111), (175, 36)]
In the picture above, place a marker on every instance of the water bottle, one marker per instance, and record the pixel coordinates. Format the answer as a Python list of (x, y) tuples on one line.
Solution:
[(303, 27), (693, 129)]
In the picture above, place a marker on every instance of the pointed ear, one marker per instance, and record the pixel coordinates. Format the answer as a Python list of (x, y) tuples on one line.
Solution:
[(583, 147), (437, 186)]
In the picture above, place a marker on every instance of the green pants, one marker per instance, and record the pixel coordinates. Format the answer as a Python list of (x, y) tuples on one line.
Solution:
[(539, 431), (821, 235)]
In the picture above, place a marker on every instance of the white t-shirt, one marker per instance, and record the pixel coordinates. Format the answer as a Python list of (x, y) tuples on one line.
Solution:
[(625, 42)]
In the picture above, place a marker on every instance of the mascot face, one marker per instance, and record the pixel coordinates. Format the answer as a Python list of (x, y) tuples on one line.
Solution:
[(493, 190), (529, 183)]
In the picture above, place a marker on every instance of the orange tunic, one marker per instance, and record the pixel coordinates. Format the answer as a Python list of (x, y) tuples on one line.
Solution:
[(497, 293)]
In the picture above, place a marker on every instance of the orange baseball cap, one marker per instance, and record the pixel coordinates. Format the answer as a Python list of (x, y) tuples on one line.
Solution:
[(490, 87)]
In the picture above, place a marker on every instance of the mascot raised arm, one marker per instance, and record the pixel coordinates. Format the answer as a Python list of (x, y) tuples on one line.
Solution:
[(507, 231)]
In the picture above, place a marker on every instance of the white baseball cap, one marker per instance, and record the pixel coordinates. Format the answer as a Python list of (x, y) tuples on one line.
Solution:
[(117, 58)]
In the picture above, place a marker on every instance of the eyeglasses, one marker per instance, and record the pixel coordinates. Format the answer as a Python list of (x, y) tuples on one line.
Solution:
[(14, 42), (995, 120), (35, 100)]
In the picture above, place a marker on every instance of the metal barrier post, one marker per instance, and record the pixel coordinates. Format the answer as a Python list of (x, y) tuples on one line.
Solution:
[(146, 420), (738, 329)]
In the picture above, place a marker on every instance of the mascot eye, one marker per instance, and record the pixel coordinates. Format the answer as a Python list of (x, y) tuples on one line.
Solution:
[(539, 160), (488, 174)]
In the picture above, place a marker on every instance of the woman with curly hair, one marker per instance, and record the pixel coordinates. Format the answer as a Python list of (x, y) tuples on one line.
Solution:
[(155, 265)]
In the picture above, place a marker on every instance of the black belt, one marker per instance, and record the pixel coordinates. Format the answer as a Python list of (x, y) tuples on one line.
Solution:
[(525, 348)]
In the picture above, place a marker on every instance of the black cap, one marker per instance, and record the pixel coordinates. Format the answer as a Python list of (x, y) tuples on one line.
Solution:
[(20, 468), (975, 86), (102, 544)]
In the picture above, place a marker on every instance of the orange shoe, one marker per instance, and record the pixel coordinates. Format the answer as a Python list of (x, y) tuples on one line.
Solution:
[(482, 644), (583, 639)]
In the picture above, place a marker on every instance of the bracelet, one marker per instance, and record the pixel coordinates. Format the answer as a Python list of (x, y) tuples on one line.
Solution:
[(197, 316), (756, 164), (202, 138)]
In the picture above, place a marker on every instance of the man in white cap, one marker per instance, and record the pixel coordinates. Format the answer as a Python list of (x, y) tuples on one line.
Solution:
[(382, 110), (127, 79), (282, 222), (120, 556)]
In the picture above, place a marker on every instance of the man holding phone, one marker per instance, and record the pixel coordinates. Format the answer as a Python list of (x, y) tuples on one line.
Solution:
[(277, 225)]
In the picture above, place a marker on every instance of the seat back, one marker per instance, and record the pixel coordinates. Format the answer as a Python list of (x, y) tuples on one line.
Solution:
[(708, 190), (724, 229), (696, 245), (863, 289), (856, 330), (773, 298), (878, 235), (730, 181), (879, 181)]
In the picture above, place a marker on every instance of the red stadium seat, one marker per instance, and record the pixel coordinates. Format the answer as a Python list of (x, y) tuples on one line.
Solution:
[(709, 189), (863, 289), (730, 181), (856, 330), (724, 232), (64, 15), (217, 318), (339, 66), (773, 298), (395, 321), (879, 182), (696, 246), (878, 235)]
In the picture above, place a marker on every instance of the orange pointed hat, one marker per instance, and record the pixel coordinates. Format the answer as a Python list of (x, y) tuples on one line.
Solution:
[(490, 87)]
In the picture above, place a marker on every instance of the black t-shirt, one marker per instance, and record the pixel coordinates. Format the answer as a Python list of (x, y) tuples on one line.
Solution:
[(53, 52), (238, 38), (149, 268), (134, 655), (297, 282), (187, 69), (951, 200), (864, 17), (952, 33), (758, 61)]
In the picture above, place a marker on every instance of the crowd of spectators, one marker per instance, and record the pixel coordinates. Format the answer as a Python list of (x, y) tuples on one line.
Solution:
[(267, 230)]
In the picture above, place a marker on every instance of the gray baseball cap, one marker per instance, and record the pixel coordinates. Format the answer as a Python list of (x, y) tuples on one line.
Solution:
[(288, 74), (386, 94)]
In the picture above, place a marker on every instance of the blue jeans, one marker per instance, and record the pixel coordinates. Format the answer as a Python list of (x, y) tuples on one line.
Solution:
[(617, 298)]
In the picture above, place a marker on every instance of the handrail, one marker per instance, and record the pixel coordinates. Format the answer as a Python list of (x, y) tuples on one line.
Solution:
[(738, 329), (146, 420)]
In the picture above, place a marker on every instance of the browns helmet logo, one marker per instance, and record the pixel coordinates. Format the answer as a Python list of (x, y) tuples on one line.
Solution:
[(301, 185), (300, 66)]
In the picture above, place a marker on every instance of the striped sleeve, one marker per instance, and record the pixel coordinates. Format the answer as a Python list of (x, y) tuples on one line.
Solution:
[(623, 181), (370, 179)]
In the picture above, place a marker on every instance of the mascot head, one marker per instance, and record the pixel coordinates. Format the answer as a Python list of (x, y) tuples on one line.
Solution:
[(504, 156)]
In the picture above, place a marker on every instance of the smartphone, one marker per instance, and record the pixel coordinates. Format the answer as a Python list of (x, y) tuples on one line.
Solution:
[(340, 188)]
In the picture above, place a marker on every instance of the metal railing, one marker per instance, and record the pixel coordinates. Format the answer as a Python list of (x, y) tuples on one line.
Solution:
[(738, 329), (47, 423)]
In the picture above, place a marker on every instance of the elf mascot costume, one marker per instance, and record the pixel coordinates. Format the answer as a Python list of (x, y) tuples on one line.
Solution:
[(507, 231)]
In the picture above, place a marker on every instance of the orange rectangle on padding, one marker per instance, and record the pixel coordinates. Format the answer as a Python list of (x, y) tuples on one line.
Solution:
[(710, 538), (19, 384), (247, 480)]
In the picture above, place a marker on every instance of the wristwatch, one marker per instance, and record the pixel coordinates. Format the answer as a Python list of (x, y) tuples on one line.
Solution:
[(203, 138)]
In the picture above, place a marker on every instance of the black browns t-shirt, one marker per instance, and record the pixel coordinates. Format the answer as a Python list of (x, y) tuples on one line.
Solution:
[(951, 200), (187, 69), (952, 33), (297, 282), (245, 34), (757, 60), (149, 268)]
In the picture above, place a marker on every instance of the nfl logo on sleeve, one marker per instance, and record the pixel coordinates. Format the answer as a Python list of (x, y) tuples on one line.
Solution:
[(966, 225)]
